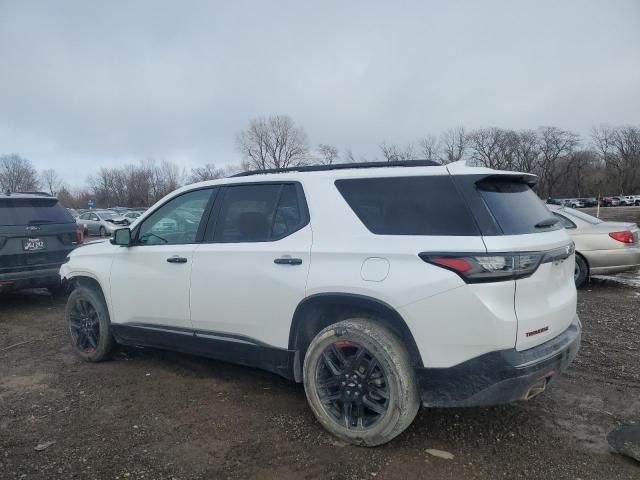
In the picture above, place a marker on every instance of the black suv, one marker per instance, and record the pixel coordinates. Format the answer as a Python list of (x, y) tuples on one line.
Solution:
[(36, 234)]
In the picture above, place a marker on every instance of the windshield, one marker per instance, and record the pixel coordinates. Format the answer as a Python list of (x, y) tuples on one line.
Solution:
[(107, 215), (581, 215)]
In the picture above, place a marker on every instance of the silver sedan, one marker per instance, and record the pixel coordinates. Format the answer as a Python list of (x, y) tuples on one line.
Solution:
[(601, 247), (101, 222)]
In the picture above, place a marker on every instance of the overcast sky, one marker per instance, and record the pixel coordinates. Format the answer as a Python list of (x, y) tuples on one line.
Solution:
[(85, 84)]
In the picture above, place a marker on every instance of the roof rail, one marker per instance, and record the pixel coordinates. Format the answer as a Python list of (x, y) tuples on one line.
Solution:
[(43, 194), (341, 166)]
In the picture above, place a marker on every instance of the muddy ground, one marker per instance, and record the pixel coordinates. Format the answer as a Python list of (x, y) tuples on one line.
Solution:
[(160, 415)]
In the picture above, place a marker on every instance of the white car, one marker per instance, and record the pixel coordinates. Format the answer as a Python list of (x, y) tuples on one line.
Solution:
[(381, 287)]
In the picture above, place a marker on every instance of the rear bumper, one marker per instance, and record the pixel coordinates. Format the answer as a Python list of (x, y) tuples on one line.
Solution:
[(613, 261), (500, 377), (30, 278)]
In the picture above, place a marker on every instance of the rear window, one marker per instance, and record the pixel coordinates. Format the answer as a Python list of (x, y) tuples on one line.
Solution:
[(515, 207), (581, 215), (32, 211), (429, 205)]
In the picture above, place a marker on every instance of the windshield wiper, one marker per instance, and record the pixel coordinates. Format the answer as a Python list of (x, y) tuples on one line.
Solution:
[(547, 222)]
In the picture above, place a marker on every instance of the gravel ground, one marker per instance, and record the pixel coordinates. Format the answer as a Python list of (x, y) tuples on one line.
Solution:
[(161, 415)]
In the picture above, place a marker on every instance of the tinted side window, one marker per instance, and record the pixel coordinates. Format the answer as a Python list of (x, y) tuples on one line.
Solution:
[(515, 207), (177, 221), (258, 213), (409, 205), (33, 211)]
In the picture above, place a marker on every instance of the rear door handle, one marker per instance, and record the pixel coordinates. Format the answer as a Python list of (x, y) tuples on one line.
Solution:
[(176, 259), (288, 261)]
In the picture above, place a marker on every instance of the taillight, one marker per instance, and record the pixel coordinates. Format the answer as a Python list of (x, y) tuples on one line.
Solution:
[(79, 234), (487, 268), (624, 236)]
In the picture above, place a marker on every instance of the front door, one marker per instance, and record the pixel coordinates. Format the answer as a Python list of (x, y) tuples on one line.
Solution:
[(250, 273), (150, 279)]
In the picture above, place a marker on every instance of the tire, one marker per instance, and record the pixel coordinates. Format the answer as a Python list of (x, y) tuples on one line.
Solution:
[(103, 232), (581, 273), (387, 372), (89, 325)]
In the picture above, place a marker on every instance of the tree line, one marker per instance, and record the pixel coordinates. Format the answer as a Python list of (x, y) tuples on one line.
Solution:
[(606, 162)]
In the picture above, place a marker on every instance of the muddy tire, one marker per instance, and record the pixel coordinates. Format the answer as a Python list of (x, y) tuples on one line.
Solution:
[(89, 325), (581, 273), (360, 383)]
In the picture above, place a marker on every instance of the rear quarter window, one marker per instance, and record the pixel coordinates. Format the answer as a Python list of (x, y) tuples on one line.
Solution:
[(425, 205), (32, 211)]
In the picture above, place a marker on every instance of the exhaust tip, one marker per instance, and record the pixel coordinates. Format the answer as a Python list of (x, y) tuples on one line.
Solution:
[(536, 389)]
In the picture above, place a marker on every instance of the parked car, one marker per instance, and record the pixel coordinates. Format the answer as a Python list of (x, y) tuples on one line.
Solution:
[(74, 213), (601, 247), (573, 203), (420, 284), (101, 222), (132, 215), (589, 201), (555, 201), (610, 201), (36, 234)]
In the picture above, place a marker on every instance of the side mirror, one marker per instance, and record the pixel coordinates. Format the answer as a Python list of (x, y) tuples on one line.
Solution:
[(121, 237)]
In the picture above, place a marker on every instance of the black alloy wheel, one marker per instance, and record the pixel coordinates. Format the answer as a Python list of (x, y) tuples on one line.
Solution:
[(352, 385), (84, 326)]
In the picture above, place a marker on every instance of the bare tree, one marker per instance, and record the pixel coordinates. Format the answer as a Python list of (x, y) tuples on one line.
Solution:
[(50, 181), (348, 156), (17, 174), (619, 148), (205, 172), (430, 148), (555, 144), (393, 153), (527, 152), (328, 154), (454, 144), (273, 142)]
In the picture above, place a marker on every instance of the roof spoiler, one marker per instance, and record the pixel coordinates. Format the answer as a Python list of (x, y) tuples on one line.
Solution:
[(528, 178)]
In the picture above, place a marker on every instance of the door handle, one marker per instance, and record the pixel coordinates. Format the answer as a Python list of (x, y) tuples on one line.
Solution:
[(176, 259), (288, 261)]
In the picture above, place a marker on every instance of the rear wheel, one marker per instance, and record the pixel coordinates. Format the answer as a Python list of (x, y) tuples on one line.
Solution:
[(89, 326), (581, 272), (359, 382)]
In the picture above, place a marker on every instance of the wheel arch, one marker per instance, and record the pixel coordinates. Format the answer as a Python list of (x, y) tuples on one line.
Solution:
[(88, 281), (321, 310)]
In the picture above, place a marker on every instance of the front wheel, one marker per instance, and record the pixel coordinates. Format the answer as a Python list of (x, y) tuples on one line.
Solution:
[(89, 325), (360, 383), (103, 232)]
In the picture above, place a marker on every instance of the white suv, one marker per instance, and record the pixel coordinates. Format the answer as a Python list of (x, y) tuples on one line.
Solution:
[(379, 286)]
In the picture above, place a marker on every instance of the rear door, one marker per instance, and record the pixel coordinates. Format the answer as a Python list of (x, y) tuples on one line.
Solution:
[(250, 274), (35, 233), (545, 301)]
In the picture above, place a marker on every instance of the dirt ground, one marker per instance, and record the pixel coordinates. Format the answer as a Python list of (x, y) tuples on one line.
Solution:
[(161, 415)]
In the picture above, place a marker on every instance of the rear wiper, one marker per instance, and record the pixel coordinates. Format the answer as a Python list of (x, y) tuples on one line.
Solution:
[(547, 222), (31, 222)]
